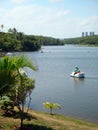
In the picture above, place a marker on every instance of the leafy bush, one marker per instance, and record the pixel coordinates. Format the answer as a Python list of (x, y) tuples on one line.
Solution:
[(51, 106), (6, 105)]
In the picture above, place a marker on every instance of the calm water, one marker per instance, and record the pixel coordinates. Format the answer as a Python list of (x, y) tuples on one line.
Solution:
[(78, 97)]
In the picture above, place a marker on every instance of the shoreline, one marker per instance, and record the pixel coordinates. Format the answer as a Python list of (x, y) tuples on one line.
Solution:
[(45, 121), (69, 116)]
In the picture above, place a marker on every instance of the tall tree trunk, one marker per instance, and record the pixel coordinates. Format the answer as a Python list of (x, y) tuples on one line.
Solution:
[(29, 102), (22, 117)]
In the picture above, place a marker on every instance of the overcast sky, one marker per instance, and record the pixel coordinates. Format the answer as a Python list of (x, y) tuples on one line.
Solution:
[(54, 18)]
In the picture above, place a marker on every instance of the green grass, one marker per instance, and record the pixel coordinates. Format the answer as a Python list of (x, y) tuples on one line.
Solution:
[(45, 121)]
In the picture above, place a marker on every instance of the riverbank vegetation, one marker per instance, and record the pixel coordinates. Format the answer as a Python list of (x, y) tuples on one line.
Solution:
[(87, 40), (18, 41), (43, 121)]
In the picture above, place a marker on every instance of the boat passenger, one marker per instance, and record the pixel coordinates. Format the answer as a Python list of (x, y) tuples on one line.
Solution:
[(76, 70)]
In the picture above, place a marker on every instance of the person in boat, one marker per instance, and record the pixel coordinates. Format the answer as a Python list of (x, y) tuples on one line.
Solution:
[(76, 70)]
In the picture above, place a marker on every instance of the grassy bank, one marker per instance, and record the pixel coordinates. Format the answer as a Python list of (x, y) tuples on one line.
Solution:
[(44, 121)]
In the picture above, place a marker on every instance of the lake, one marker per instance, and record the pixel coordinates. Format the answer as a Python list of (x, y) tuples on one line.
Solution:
[(78, 97)]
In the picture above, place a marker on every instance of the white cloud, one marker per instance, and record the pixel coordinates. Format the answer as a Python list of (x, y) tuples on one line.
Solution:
[(47, 21), (84, 22), (2, 11), (35, 19), (94, 19), (18, 17), (55, 1), (18, 1), (62, 12), (90, 23)]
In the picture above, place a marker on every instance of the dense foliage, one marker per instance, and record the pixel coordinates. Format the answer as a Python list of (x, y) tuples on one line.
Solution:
[(49, 41), (88, 40), (17, 41), (15, 85)]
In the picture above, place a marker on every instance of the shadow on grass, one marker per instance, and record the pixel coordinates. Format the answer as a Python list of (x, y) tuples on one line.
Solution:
[(35, 127), (16, 115), (1, 128)]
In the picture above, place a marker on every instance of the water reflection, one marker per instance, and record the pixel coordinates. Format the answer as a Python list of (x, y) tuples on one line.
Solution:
[(78, 81)]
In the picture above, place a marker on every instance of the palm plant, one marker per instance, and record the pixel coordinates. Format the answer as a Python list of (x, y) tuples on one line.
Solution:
[(10, 74), (6, 74), (6, 104), (9, 68), (23, 89), (51, 106), (2, 26)]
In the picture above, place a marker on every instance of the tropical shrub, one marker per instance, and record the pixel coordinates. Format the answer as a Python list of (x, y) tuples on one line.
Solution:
[(51, 106), (6, 105)]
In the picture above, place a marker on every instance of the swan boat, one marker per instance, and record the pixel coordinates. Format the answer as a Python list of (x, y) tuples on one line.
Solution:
[(77, 75)]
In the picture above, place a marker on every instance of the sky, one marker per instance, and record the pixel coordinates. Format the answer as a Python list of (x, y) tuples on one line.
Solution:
[(52, 18)]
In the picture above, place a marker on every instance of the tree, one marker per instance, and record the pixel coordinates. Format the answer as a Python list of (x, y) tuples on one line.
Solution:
[(10, 76), (7, 76), (2, 27), (6, 104), (10, 30), (23, 89), (9, 69), (14, 30), (51, 106)]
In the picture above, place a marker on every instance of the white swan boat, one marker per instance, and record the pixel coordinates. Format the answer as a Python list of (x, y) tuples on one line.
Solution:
[(77, 75)]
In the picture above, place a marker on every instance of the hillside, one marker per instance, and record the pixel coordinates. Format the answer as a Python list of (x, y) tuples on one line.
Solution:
[(45, 121), (18, 41), (87, 40)]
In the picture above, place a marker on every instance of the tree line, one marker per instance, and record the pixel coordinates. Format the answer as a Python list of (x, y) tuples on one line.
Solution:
[(18, 41), (88, 40)]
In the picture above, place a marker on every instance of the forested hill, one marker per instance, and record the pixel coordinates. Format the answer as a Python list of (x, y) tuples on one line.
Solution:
[(87, 40), (17, 41)]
